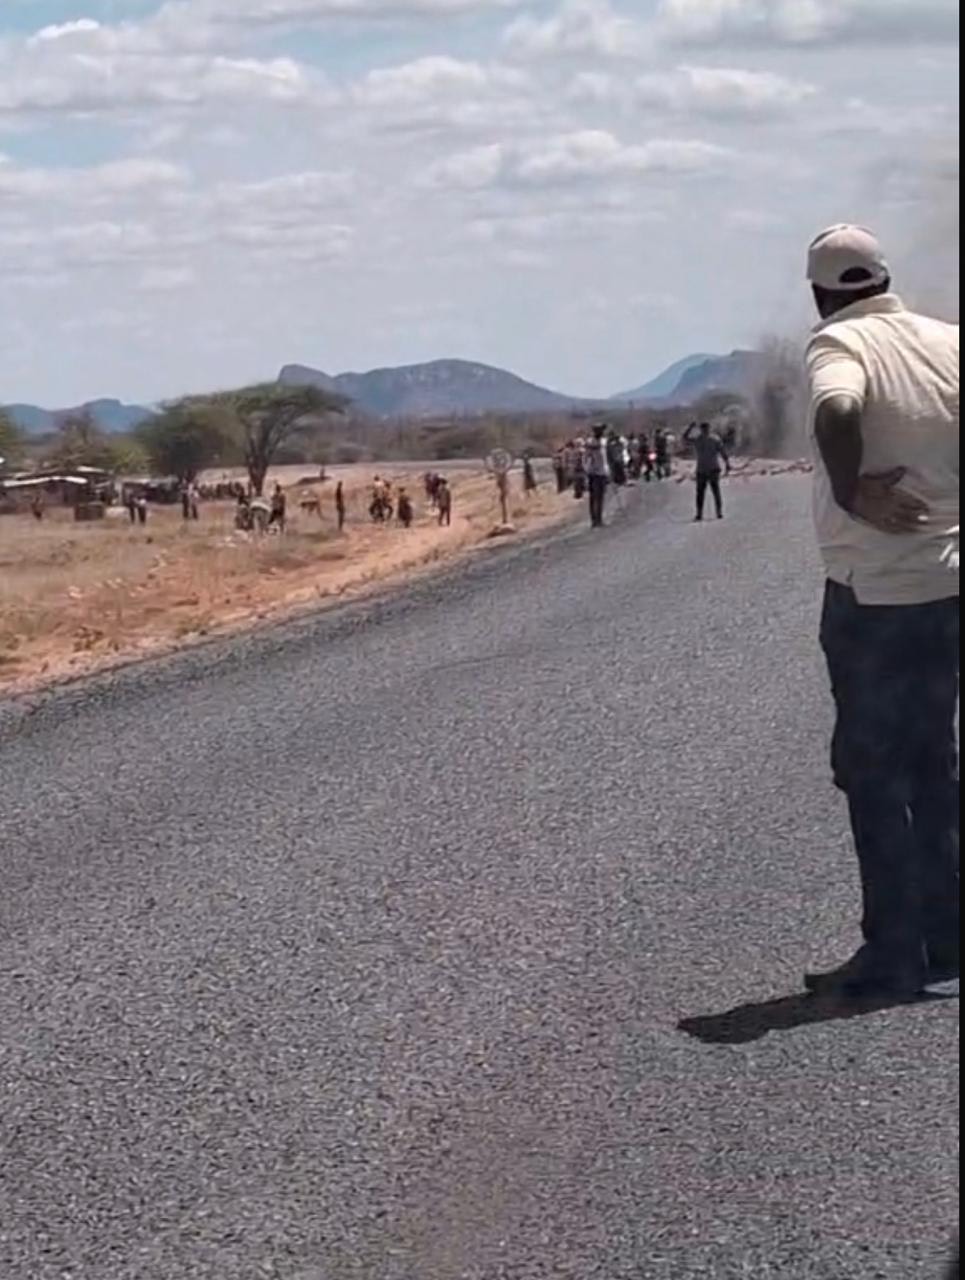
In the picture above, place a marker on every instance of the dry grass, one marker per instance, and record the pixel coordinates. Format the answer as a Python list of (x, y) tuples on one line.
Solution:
[(74, 597)]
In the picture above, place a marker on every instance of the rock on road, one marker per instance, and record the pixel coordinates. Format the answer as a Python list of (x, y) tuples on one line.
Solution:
[(395, 944)]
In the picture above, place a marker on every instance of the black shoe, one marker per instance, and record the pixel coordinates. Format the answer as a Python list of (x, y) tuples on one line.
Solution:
[(864, 975)]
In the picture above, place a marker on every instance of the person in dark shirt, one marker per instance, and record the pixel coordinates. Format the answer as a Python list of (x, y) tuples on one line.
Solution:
[(597, 465), (444, 502), (279, 508), (712, 460), (661, 449), (404, 510)]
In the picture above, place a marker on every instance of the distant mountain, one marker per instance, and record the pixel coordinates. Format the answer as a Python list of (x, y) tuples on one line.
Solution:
[(665, 384), (451, 388), (686, 381), (302, 375), (442, 387), (109, 415), (741, 372)]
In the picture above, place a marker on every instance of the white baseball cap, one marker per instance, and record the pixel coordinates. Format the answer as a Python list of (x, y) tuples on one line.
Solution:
[(846, 259)]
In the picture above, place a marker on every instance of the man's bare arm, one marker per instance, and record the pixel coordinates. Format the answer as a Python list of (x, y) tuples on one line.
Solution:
[(838, 431), (875, 499)]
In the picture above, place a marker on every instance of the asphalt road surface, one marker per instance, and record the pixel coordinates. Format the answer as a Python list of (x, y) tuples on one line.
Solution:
[(402, 943)]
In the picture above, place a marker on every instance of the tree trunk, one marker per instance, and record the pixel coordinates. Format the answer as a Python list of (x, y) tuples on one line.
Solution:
[(257, 471)]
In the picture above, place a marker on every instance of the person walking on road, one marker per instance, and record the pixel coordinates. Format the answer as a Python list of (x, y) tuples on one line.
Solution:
[(884, 385), (340, 505), (616, 453), (711, 454), (597, 468)]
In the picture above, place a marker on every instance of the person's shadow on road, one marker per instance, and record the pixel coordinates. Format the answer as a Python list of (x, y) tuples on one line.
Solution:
[(751, 1022)]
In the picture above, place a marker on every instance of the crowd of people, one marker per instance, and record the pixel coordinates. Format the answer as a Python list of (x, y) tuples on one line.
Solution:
[(388, 502), (627, 458), (608, 460)]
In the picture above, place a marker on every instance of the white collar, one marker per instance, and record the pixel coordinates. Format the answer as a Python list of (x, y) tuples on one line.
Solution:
[(883, 304)]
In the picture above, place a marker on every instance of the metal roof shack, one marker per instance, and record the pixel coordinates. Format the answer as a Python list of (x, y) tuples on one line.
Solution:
[(68, 488)]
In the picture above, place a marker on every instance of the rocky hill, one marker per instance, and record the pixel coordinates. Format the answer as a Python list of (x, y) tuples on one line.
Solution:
[(442, 387), (109, 415)]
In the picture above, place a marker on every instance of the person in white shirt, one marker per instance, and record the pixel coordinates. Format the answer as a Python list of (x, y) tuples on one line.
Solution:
[(597, 467), (884, 385)]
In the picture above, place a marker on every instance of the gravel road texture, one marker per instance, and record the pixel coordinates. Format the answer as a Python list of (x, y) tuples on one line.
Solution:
[(458, 936)]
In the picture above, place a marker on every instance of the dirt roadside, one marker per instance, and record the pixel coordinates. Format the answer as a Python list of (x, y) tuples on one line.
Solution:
[(78, 599)]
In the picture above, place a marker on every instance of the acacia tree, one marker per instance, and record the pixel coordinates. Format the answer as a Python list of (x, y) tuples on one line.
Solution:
[(80, 442), (271, 414), (187, 437)]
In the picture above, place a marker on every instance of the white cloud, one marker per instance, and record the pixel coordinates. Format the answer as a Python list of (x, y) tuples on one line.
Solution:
[(721, 91), (808, 22), (289, 192), (591, 154), (440, 93), (86, 67), (712, 93), (267, 12), (156, 219), (425, 80), (295, 240), (105, 243), (166, 279), (558, 225), (480, 167), (581, 28), (100, 183), (55, 32), (598, 154)]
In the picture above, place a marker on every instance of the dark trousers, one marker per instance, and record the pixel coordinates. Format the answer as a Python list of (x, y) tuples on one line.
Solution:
[(894, 674), (709, 480), (598, 486)]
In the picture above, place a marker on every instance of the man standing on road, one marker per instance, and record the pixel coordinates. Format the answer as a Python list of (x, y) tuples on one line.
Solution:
[(885, 416), (710, 452), (597, 469)]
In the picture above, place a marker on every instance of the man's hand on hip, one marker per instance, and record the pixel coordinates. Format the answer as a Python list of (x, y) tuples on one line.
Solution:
[(880, 502)]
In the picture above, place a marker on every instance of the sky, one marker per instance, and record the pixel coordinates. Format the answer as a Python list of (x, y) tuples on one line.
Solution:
[(195, 192)]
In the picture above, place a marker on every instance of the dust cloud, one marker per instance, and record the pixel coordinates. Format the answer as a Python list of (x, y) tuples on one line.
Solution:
[(913, 204)]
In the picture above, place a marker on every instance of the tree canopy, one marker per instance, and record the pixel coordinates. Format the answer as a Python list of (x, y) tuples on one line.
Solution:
[(80, 442), (269, 415), (189, 436)]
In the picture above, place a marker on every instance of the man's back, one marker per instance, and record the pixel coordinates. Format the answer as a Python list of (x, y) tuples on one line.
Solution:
[(709, 450), (596, 458), (904, 369)]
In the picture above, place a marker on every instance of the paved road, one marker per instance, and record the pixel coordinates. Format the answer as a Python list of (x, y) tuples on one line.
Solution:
[(396, 946)]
